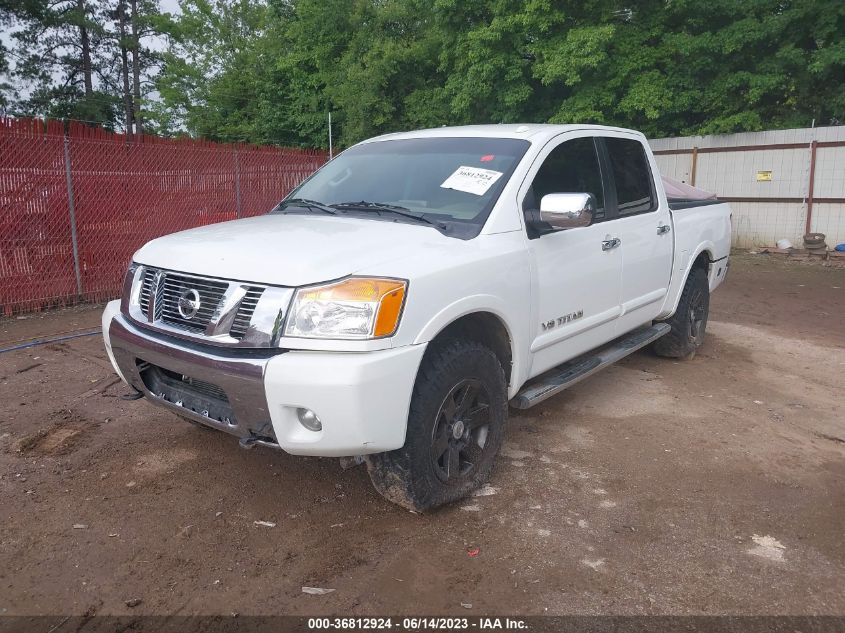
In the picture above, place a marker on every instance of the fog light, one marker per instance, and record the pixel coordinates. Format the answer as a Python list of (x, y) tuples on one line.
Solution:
[(309, 419)]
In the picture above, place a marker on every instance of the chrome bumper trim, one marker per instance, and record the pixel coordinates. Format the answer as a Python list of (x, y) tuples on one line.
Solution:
[(242, 379)]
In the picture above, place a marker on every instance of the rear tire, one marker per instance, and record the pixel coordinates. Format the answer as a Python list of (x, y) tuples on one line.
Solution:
[(689, 321), (455, 429)]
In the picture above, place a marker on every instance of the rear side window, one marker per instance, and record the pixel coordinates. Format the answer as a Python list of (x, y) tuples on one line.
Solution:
[(629, 166)]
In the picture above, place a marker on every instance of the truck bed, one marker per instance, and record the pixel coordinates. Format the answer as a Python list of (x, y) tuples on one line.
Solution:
[(699, 226), (679, 204)]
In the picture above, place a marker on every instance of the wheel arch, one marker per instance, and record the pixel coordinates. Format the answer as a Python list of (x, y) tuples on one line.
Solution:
[(483, 324), (703, 258)]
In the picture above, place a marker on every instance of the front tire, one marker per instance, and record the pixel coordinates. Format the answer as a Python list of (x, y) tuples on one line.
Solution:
[(689, 321), (455, 429)]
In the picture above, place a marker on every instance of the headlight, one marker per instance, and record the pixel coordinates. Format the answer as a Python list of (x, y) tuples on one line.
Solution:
[(356, 308)]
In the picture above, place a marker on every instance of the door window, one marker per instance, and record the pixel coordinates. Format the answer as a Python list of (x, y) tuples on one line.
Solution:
[(571, 167), (631, 175)]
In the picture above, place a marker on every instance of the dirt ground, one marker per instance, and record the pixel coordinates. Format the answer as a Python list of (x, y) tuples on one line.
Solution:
[(656, 487)]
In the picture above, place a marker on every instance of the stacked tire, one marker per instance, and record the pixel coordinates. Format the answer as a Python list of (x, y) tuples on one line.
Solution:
[(814, 243)]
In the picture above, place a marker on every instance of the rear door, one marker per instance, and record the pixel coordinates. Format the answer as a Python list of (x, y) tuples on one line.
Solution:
[(643, 226), (576, 283)]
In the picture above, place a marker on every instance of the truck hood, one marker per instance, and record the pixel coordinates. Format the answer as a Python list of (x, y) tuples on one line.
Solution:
[(291, 250)]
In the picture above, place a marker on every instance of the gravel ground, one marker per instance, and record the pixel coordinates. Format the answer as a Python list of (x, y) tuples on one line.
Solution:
[(656, 487)]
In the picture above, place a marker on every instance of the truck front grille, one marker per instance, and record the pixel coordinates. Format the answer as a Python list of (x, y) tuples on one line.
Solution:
[(245, 312), (171, 288), (219, 311), (210, 293), (146, 289)]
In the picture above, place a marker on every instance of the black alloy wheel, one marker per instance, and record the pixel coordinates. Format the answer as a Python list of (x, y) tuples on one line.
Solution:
[(460, 430)]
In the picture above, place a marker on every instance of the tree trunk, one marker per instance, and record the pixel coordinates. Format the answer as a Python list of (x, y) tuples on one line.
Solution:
[(85, 40), (136, 68), (124, 67)]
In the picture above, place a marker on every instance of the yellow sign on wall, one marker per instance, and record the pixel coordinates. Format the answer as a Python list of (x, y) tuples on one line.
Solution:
[(764, 176)]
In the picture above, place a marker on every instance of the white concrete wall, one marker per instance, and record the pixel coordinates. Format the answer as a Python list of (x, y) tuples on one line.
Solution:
[(734, 174)]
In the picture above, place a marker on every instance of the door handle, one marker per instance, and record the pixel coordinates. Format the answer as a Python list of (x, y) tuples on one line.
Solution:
[(662, 229), (609, 244)]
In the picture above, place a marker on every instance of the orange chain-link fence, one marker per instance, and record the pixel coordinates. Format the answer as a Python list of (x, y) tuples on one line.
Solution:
[(76, 202)]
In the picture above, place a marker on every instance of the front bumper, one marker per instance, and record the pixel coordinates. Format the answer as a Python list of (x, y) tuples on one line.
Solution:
[(361, 398)]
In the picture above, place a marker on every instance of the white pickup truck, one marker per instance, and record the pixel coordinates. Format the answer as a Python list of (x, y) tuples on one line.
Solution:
[(397, 301)]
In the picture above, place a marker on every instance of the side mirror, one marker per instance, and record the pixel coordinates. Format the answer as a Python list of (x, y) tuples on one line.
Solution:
[(567, 210)]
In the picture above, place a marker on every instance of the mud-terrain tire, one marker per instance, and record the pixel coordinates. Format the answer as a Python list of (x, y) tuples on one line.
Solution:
[(455, 428), (689, 321)]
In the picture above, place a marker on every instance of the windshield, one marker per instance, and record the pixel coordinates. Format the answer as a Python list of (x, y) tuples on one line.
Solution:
[(447, 182)]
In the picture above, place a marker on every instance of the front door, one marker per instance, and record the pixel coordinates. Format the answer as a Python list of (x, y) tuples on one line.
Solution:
[(577, 278)]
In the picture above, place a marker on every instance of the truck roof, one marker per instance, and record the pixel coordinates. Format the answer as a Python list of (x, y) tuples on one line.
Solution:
[(528, 131)]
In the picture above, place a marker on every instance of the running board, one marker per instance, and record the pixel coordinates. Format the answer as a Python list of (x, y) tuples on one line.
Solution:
[(564, 376)]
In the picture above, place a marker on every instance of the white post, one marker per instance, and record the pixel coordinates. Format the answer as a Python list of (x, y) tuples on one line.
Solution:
[(71, 205), (330, 135)]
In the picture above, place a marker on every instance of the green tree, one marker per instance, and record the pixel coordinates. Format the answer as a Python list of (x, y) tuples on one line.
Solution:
[(388, 77), (688, 67), (269, 73), (6, 89), (213, 69), (55, 55), (66, 58), (126, 62)]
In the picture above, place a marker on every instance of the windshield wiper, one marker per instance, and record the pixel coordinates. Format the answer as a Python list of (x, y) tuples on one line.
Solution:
[(379, 207), (365, 204), (305, 203)]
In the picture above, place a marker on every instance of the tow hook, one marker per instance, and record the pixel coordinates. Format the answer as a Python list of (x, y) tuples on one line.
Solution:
[(350, 462), (132, 395), (248, 443)]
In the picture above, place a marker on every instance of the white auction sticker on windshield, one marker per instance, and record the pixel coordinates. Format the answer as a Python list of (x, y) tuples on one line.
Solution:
[(471, 180)]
